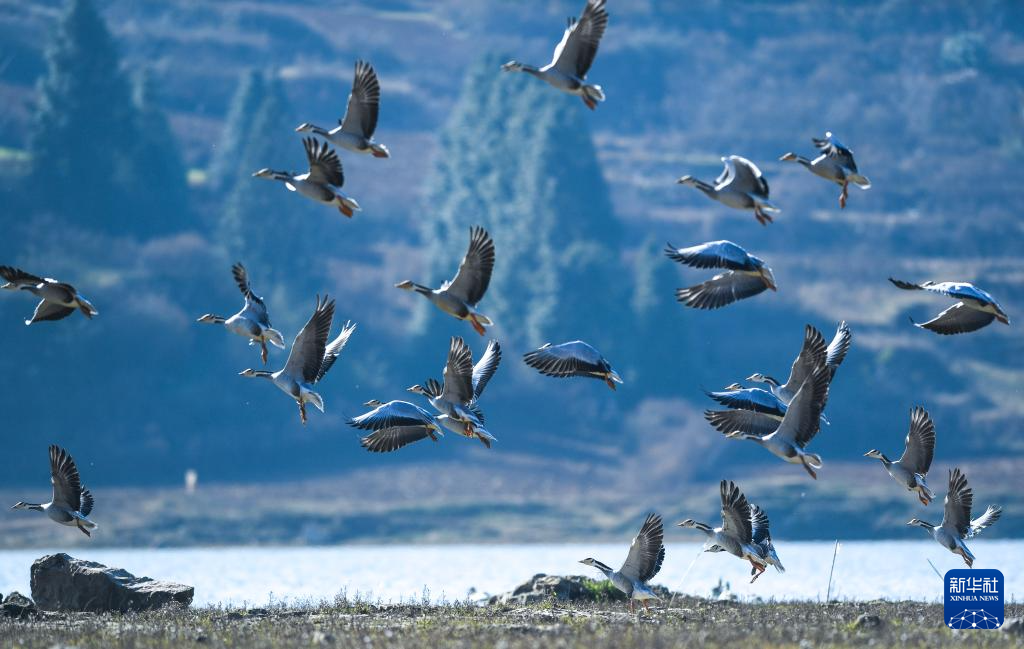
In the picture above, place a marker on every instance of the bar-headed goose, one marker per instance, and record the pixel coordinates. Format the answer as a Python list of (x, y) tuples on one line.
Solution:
[(58, 299), (736, 534), (460, 296), (912, 467), (752, 410), (310, 358), (575, 358), (957, 525), (71, 503), (740, 186), (395, 424), (573, 56), (745, 275), (797, 428), (975, 309), (835, 163), (813, 353), (646, 554), (323, 181), (464, 382), (355, 131), (253, 321), (762, 542)]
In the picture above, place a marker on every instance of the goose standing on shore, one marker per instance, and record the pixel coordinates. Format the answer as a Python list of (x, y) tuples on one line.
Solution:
[(976, 308), (355, 131), (745, 275), (58, 300), (835, 163), (957, 525), (573, 56), (253, 321), (813, 353), (912, 467), (735, 535), (464, 382), (460, 296), (310, 359), (740, 186), (575, 358), (797, 428), (71, 503), (395, 424), (646, 554), (323, 181)]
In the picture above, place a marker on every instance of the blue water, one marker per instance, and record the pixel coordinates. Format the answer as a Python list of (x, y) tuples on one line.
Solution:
[(258, 575)]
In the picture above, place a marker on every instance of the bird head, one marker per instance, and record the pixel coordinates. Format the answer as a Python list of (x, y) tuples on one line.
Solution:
[(418, 389), (248, 372), (917, 522), (788, 156), (264, 173), (373, 403), (768, 277), (209, 317), (21, 505), (1001, 315), (588, 561), (405, 285), (757, 377), (875, 453), (304, 127)]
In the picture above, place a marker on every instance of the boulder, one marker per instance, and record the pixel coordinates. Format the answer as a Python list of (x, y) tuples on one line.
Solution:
[(63, 583), (1014, 626), (574, 588), (17, 606)]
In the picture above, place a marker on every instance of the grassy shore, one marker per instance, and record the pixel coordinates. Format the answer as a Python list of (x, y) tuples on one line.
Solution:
[(684, 622)]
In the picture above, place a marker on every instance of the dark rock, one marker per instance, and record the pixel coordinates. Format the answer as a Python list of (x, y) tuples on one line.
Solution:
[(1014, 626), (574, 588), (18, 606), (867, 622), (63, 583)]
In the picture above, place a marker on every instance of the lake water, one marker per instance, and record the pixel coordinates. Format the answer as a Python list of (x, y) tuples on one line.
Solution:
[(255, 576)]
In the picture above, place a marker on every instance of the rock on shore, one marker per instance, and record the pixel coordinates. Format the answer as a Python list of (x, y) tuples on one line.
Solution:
[(573, 588), (63, 583)]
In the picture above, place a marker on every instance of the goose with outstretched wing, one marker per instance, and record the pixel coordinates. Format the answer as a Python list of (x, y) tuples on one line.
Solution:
[(322, 183), (57, 301), (745, 275), (835, 163), (395, 424), (735, 535), (741, 186), (253, 321), (355, 130), (642, 564), (574, 358), (975, 309), (912, 467), (957, 526), (71, 503)]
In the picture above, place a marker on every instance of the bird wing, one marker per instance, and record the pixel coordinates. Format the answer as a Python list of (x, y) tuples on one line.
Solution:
[(836, 351), (87, 502), (834, 149), (363, 102), (252, 301), (46, 310), (565, 360), (917, 457), (332, 350), (575, 53), (714, 254), (750, 399), (746, 421), (721, 290), (67, 487), (760, 531), (19, 277), (324, 165), (813, 354), (647, 552), (743, 175), (486, 367), (391, 414), (991, 515), (470, 283), (803, 418), (958, 503), (957, 319), (393, 438), (458, 373), (735, 512), (307, 353)]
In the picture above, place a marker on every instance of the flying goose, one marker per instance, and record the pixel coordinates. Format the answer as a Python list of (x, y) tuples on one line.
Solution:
[(957, 525), (71, 503), (746, 275), (395, 424), (797, 428), (835, 163), (646, 554), (740, 186), (310, 358), (752, 410), (762, 542), (463, 385), (975, 309), (912, 467), (58, 300), (252, 321), (323, 181), (573, 56), (355, 131), (735, 535), (460, 296), (813, 353), (575, 358)]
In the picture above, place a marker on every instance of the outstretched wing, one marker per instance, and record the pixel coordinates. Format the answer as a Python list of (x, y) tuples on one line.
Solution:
[(759, 525), (363, 102), (67, 487), (307, 353), (917, 457), (803, 418), (390, 415), (18, 277), (746, 421), (834, 149), (958, 503), (735, 512), (813, 354), (332, 350), (575, 53), (486, 367), (750, 399), (957, 319), (252, 301), (458, 373), (721, 290), (713, 254), (324, 165), (87, 502), (743, 175), (391, 439), (836, 351), (565, 360), (50, 311), (647, 552), (991, 515), (470, 283)]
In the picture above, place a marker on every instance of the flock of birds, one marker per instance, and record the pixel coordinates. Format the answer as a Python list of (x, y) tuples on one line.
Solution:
[(781, 417)]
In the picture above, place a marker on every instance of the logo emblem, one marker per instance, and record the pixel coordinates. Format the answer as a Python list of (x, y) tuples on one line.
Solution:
[(974, 599)]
